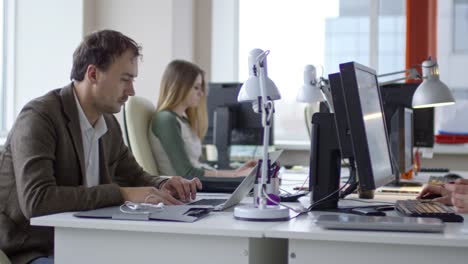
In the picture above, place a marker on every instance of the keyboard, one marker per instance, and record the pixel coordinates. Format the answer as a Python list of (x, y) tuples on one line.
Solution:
[(427, 208), (434, 170), (213, 202)]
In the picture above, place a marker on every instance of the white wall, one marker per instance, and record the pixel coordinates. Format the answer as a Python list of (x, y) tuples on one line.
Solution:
[(163, 28), (452, 65), (225, 39), (47, 33)]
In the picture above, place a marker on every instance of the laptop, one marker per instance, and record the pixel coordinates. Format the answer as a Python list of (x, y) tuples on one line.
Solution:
[(220, 204)]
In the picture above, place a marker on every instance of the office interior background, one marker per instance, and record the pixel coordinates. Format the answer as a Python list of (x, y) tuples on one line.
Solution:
[(39, 38)]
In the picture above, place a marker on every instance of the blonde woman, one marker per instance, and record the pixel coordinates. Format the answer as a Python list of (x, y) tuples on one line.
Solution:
[(181, 122)]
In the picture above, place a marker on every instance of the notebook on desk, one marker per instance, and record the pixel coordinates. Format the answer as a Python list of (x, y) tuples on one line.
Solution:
[(220, 204)]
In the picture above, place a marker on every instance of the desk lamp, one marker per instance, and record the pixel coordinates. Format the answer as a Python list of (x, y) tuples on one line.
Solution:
[(310, 92), (431, 92), (314, 90), (261, 91)]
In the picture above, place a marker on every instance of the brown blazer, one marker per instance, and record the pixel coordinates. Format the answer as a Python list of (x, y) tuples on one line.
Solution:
[(42, 167)]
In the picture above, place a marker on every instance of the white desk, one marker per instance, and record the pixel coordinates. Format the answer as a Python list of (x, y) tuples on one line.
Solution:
[(218, 238), (308, 242)]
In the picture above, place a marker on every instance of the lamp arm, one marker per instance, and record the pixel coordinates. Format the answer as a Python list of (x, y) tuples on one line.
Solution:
[(392, 81), (413, 74), (267, 112), (391, 73), (326, 92)]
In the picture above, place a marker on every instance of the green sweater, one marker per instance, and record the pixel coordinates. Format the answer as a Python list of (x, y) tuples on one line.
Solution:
[(166, 127)]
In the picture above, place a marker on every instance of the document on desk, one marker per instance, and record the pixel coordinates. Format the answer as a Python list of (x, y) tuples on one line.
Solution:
[(178, 213), (404, 190)]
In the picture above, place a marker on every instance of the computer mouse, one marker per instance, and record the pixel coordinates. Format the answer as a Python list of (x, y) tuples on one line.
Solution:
[(451, 177), (430, 196)]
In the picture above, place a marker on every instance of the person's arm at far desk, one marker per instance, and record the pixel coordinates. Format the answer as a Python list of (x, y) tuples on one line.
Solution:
[(459, 197)]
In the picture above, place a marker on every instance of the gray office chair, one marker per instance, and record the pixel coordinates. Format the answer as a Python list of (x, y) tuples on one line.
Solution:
[(3, 258), (137, 116), (309, 111)]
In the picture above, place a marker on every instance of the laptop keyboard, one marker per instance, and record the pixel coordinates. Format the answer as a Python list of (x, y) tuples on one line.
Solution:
[(422, 208), (213, 202)]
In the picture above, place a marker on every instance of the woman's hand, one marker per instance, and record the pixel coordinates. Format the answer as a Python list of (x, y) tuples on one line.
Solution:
[(245, 169)]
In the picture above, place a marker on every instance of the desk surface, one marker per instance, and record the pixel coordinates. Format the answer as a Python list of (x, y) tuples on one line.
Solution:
[(216, 223), (455, 234), (303, 227)]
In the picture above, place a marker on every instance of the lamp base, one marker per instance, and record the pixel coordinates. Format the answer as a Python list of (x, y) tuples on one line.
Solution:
[(252, 213)]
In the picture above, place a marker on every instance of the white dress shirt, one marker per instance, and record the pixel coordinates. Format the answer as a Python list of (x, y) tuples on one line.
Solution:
[(90, 136)]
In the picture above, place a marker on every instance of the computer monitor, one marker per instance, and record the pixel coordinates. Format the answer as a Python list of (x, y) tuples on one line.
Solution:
[(231, 122), (401, 140), (423, 127), (400, 95), (330, 144), (367, 126), (341, 119)]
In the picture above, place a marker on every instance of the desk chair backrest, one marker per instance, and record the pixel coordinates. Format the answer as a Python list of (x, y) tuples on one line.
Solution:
[(3, 258), (309, 111), (137, 117)]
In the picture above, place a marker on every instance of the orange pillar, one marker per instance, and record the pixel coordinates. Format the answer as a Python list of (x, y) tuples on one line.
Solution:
[(421, 31)]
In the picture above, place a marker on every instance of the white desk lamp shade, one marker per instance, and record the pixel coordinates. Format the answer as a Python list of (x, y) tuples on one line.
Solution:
[(432, 92), (250, 90), (309, 92)]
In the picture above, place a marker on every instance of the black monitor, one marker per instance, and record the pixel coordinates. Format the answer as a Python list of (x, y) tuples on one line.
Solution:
[(231, 122), (367, 126), (401, 140), (330, 144), (423, 127), (341, 119), (399, 95)]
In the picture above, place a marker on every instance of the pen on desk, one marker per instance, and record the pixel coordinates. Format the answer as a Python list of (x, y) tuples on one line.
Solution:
[(301, 188)]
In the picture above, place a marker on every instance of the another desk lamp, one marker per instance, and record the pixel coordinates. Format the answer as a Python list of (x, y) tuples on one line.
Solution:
[(431, 92), (310, 92), (261, 91), (313, 91)]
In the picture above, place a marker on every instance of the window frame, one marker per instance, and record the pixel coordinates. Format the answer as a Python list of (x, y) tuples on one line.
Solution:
[(8, 61)]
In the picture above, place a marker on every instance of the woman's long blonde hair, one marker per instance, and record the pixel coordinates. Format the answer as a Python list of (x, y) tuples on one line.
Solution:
[(176, 83)]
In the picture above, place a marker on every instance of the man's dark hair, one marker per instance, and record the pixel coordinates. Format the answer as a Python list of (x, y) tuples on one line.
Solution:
[(100, 49)]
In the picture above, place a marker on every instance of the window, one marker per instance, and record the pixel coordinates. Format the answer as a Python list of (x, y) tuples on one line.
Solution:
[(322, 33), (6, 65)]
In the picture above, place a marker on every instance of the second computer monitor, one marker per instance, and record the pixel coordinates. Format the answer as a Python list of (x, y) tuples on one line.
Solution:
[(231, 122), (367, 125)]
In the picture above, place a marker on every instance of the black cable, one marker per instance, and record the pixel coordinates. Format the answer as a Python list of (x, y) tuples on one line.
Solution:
[(353, 183), (324, 199)]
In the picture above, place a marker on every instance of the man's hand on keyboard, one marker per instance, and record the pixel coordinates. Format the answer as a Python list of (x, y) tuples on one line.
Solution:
[(184, 190), (459, 197), (430, 190)]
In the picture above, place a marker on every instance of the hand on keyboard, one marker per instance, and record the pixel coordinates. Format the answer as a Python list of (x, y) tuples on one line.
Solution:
[(459, 195), (436, 190)]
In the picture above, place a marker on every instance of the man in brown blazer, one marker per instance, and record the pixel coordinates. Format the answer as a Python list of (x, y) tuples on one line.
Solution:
[(65, 151)]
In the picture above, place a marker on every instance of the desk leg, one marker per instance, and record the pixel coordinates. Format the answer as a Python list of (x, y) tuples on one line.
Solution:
[(74, 245), (306, 251)]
